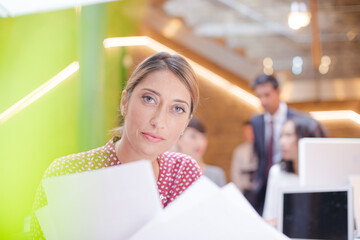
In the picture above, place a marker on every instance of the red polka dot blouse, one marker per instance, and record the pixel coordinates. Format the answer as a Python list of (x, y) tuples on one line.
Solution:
[(177, 173)]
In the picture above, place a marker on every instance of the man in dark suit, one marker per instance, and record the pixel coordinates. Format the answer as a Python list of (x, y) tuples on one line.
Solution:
[(267, 130)]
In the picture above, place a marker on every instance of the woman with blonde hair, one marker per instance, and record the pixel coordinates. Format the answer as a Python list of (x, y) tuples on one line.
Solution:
[(157, 105)]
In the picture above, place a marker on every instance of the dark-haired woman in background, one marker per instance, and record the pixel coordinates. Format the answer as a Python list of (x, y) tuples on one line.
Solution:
[(286, 173)]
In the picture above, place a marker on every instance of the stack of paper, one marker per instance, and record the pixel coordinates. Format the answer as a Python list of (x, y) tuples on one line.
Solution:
[(123, 203), (110, 203), (206, 212)]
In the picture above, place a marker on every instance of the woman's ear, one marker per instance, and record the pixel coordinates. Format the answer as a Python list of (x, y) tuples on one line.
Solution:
[(123, 103)]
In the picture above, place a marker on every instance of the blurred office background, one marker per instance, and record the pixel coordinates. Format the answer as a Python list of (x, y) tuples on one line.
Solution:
[(63, 66)]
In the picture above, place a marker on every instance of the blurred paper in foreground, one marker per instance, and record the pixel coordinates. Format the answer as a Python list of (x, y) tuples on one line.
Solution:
[(109, 203), (123, 203), (223, 214)]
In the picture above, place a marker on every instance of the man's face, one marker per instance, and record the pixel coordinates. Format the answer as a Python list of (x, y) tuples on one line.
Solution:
[(269, 97)]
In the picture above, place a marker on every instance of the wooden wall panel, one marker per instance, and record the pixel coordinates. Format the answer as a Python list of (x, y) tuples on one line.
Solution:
[(223, 115)]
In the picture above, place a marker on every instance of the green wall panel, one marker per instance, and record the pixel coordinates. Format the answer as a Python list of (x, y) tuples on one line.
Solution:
[(29, 142), (33, 49)]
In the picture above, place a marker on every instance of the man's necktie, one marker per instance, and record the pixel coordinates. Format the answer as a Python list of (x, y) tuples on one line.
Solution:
[(270, 149)]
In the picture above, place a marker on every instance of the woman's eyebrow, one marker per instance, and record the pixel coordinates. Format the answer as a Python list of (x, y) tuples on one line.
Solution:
[(158, 94), (153, 91), (182, 101)]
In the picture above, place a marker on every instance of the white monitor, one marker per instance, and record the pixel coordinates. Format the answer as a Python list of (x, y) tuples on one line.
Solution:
[(328, 161), (317, 213)]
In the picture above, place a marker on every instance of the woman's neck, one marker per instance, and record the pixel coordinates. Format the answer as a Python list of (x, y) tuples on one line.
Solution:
[(125, 153), (201, 164)]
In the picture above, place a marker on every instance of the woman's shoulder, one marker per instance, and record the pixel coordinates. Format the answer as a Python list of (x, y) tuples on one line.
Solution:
[(177, 160), (78, 162), (276, 168), (61, 165), (214, 169), (177, 157), (276, 172)]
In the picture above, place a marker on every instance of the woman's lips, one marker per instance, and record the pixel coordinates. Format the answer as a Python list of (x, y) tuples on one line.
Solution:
[(152, 137)]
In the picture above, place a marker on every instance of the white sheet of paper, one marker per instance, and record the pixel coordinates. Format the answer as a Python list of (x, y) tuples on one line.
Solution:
[(232, 193), (199, 191), (216, 217), (47, 225), (110, 203)]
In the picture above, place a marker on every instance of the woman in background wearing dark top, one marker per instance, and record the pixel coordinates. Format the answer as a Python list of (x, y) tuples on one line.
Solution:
[(286, 173)]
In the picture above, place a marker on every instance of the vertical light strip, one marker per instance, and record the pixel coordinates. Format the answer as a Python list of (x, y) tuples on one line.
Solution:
[(199, 69), (40, 91), (336, 115)]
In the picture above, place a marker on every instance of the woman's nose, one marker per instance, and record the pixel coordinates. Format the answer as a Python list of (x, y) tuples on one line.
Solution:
[(159, 118), (281, 142)]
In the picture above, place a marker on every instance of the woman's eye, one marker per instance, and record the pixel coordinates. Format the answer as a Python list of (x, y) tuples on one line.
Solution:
[(179, 109), (148, 99)]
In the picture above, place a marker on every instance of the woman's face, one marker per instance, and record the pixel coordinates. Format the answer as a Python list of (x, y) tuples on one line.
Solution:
[(289, 142), (193, 143), (156, 113)]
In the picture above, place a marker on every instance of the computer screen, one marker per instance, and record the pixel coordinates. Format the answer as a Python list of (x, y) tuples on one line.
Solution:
[(317, 214), (328, 161)]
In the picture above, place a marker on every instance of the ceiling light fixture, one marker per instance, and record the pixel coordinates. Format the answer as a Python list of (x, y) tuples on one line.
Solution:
[(299, 16), (172, 27), (268, 66), (325, 64), (245, 96), (40, 91), (297, 64)]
